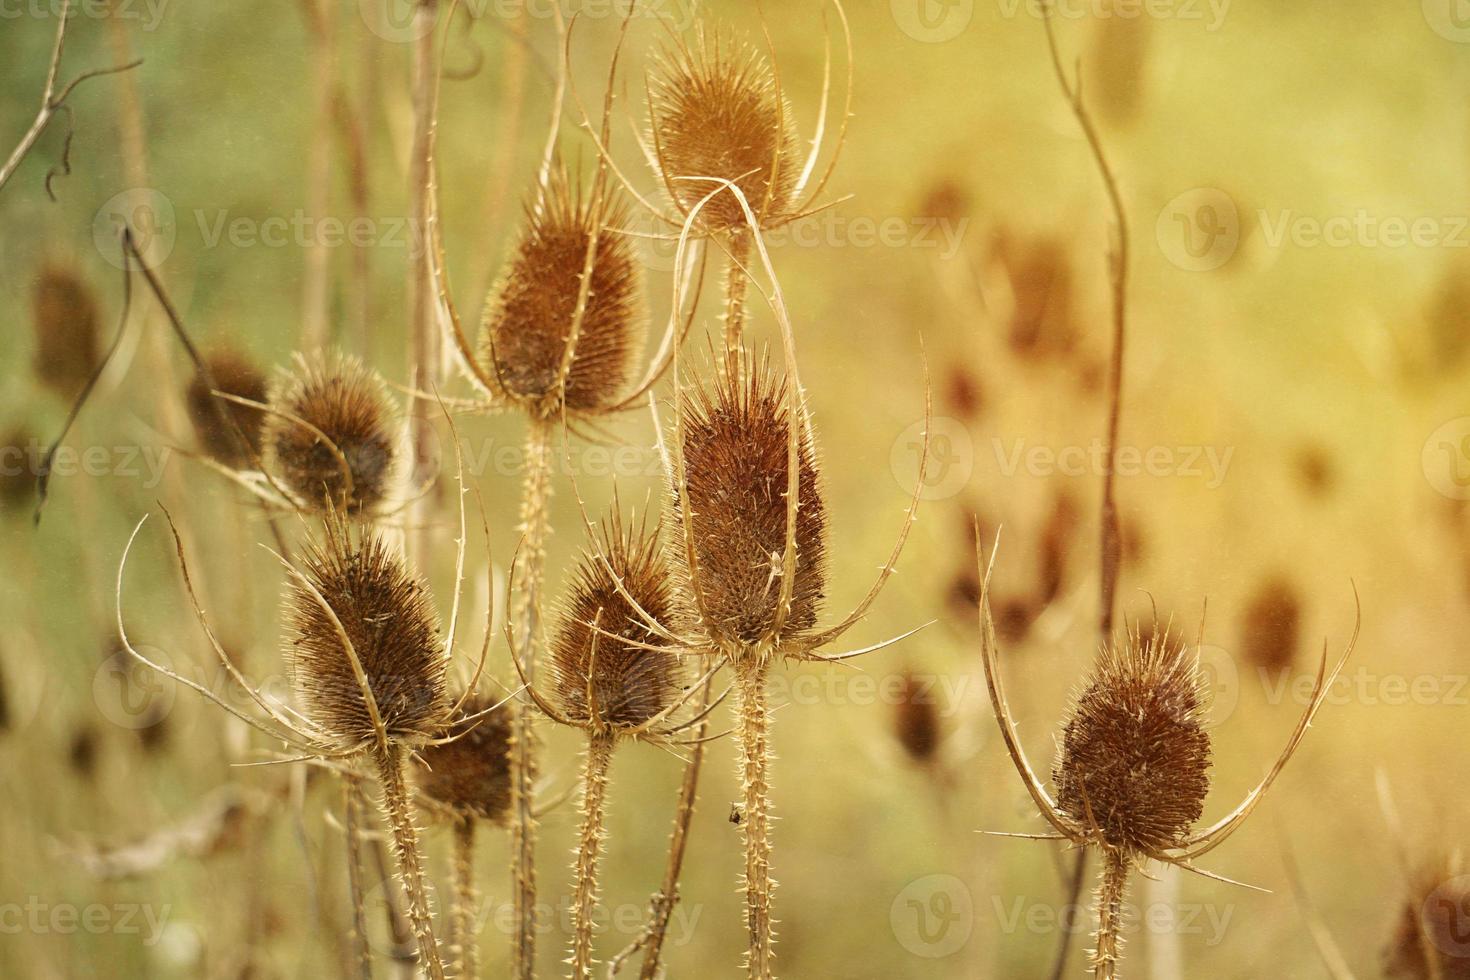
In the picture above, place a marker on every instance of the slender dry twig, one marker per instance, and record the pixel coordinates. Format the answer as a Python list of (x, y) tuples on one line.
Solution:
[(321, 25)]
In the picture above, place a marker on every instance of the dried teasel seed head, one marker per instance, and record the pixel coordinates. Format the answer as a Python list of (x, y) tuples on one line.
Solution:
[(716, 111), (342, 400), (1135, 757), (471, 775), (625, 683), (915, 720), (532, 310), (1270, 625), (234, 374), (735, 447), (65, 319), (1429, 937), (388, 616)]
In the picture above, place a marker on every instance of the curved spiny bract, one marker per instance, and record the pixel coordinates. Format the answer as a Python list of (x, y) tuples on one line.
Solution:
[(65, 320), (532, 310), (735, 444), (388, 616), (1134, 763), (471, 775), (716, 111), (629, 684), (338, 398), (236, 375)]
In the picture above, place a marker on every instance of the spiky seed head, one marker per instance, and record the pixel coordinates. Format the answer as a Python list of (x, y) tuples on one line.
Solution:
[(629, 684), (716, 111), (471, 775), (531, 312), (1135, 757), (347, 402), (65, 318), (915, 721), (735, 446), (1430, 930), (235, 374), (1270, 626), (388, 616)]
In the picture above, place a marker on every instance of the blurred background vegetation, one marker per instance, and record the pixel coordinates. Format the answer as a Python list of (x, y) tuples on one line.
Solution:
[(1324, 379)]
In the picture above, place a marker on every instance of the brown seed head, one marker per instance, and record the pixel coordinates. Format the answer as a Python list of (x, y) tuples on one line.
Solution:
[(235, 374), (1430, 930), (389, 618), (716, 111), (337, 395), (735, 447), (1135, 757), (530, 314), (65, 317), (1270, 626), (915, 722), (628, 684), (471, 775), (17, 469)]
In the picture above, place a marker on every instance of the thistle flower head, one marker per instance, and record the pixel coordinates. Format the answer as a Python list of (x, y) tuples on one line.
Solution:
[(1135, 756), (65, 319), (345, 452), (388, 618), (716, 111), (471, 775), (603, 674), (234, 374), (532, 311), (735, 441)]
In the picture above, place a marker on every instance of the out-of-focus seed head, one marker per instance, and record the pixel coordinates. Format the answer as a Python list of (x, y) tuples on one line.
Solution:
[(531, 312), (1430, 930), (237, 375), (17, 469), (1135, 757), (388, 615), (734, 436), (339, 397), (471, 775), (626, 683), (716, 111), (65, 319), (1270, 626), (915, 720)]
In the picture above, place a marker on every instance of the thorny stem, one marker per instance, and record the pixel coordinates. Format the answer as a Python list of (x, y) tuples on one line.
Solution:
[(424, 356), (1108, 903), (526, 617), (594, 793), (398, 811), (736, 286), (352, 822), (464, 948), (754, 720)]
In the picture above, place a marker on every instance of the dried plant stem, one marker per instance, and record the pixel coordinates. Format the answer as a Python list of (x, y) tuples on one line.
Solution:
[(737, 284), (424, 354), (589, 847), (1111, 888), (352, 825), (321, 26), (465, 946), (753, 720), (398, 811), (526, 617)]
